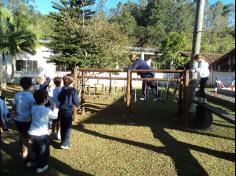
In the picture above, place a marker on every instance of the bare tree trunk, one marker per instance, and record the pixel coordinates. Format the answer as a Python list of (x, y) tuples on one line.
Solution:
[(3, 73), (13, 69), (195, 50)]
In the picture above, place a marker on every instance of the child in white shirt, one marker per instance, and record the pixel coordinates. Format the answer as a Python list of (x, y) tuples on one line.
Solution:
[(39, 130), (54, 100), (4, 114), (203, 71)]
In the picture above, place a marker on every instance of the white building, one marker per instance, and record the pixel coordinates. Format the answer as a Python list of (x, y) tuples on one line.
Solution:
[(30, 65), (33, 65)]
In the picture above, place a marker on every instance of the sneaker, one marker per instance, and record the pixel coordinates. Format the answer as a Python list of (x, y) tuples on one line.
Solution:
[(65, 147), (42, 169), (58, 137), (156, 99), (30, 164), (143, 98), (204, 100), (200, 100)]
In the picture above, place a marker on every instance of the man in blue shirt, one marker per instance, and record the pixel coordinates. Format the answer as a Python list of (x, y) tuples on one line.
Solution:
[(140, 64)]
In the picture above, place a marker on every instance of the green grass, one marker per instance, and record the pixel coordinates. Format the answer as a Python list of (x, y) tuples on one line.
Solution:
[(150, 143)]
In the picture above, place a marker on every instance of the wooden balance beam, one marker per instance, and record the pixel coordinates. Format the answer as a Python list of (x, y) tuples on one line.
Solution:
[(217, 111)]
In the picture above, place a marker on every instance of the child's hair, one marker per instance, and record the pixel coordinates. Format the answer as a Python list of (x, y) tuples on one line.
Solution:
[(40, 79), (132, 54), (40, 95), (26, 82), (2, 98), (198, 56), (68, 79), (57, 81)]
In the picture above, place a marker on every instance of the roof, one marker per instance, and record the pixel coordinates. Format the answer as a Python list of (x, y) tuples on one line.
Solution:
[(230, 53), (141, 49), (209, 57)]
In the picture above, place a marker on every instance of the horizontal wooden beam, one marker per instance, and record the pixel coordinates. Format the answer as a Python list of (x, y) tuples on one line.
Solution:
[(133, 71), (101, 70), (217, 111), (159, 71), (133, 79)]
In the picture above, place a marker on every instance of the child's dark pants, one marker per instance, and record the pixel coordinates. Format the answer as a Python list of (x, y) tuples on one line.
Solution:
[(40, 147), (152, 84), (66, 123), (203, 82)]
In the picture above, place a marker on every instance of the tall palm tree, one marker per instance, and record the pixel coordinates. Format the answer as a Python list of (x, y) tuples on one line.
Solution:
[(16, 37), (5, 15)]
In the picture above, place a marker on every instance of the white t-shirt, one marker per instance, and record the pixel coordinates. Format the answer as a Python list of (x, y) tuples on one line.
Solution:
[(40, 119), (23, 102), (202, 68), (3, 110)]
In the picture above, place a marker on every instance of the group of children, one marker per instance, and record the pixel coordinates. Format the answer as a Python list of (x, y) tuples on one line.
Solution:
[(32, 113)]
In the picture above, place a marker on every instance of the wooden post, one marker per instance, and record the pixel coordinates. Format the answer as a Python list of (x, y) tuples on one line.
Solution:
[(83, 96), (180, 94), (185, 119), (103, 89), (128, 93), (75, 73), (110, 86)]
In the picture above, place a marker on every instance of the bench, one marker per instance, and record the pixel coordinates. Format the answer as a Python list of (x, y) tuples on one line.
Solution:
[(217, 111)]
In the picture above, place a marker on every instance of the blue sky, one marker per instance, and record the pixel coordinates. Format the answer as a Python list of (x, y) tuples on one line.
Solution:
[(45, 6)]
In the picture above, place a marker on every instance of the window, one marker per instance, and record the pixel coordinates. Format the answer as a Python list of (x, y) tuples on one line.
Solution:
[(26, 65), (62, 68)]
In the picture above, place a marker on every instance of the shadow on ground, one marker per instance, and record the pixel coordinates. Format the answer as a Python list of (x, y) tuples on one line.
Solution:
[(158, 117)]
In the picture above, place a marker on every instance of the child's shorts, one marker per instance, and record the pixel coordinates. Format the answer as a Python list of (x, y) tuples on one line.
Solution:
[(23, 128), (56, 120)]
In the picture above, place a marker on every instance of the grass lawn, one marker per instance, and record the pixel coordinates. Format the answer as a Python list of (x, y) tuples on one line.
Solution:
[(151, 143)]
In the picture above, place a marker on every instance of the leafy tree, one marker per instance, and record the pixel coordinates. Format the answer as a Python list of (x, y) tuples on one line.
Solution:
[(154, 20), (219, 30), (109, 43), (84, 40), (70, 47), (15, 35), (13, 5), (127, 24), (169, 50), (163, 17)]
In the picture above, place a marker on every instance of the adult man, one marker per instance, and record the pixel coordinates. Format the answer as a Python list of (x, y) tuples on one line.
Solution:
[(140, 64)]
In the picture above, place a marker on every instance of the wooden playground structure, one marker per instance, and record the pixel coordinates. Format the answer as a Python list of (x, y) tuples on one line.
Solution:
[(183, 82)]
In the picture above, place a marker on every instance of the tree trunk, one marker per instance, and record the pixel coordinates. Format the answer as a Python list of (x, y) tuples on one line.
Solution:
[(3, 74), (195, 50), (13, 69)]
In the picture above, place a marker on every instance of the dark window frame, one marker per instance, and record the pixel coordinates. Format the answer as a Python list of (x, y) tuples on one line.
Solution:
[(26, 65)]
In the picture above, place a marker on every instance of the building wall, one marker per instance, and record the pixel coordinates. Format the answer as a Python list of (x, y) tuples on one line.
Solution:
[(40, 58), (227, 64)]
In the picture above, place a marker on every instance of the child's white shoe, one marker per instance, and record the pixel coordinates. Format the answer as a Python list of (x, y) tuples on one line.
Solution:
[(42, 169)]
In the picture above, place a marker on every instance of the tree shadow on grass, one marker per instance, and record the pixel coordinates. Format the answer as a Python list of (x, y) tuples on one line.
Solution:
[(223, 125), (158, 117), (11, 165)]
